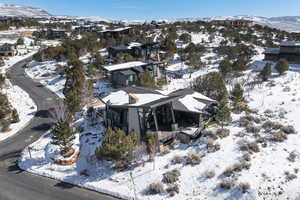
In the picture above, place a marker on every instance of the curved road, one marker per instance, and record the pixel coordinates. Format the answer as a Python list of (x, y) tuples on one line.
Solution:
[(16, 184)]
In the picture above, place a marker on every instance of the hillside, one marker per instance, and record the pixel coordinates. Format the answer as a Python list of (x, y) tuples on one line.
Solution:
[(21, 11)]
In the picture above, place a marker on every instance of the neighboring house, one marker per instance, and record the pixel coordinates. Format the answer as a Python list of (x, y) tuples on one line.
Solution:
[(135, 49), (139, 109), (7, 49), (289, 50), (116, 33), (235, 23), (126, 74), (89, 28)]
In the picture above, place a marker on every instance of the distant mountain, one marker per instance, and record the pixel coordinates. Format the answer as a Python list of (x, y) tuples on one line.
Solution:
[(21, 11)]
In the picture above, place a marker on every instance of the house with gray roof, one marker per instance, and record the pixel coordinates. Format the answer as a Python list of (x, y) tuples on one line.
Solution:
[(289, 50), (140, 109)]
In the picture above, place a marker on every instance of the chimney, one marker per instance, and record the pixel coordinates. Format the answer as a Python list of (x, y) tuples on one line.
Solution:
[(132, 98)]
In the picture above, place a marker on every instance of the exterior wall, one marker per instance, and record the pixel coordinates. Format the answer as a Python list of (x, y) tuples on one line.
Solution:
[(295, 49), (291, 58), (120, 80), (134, 122)]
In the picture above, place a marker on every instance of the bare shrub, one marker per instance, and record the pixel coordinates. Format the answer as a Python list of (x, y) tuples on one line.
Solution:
[(177, 159), (228, 171), (289, 176), (209, 174), (164, 150), (222, 132), (253, 146), (243, 121), (171, 176), (246, 156), (288, 130), (278, 136), (248, 146), (227, 184), (210, 134), (194, 159), (245, 187), (173, 189), (209, 143), (253, 129), (156, 188), (292, 156)]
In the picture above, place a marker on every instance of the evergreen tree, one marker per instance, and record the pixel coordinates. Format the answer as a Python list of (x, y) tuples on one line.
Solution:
[(195, 60), (20, 41), (238, 99), (15, 116), (282, 66), (266, 72), (116, 146), (211, 85), (185, 37), (63, 136), (223, 113), (146, 80), (75, 80), (225, 67)]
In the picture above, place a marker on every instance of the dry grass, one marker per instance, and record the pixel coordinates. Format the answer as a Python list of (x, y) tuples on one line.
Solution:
[(156, 188), (171, 176)]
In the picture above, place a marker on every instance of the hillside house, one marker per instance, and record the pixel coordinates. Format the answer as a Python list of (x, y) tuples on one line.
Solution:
[(234, 23), (116, 33), (7, 49), (289, 50), (137, 50), (139, 109), (126, 74)]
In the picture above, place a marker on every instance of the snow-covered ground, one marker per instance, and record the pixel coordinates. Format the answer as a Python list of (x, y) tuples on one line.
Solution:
[(46, 74), (25, 107), (266, 174), (18, 98)]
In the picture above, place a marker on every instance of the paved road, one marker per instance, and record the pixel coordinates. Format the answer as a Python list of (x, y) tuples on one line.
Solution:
[(16, 184)]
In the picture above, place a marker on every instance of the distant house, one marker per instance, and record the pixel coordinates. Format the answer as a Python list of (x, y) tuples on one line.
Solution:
[(234, 23), (289, 50), (7, 49), (135, 49), (126, 74), (89, 28), (138, 109), (115, 33)]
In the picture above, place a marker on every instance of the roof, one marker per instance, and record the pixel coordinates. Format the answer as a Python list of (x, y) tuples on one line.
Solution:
[(127, 72), (117, 30), (183, 100), (122, 66), (272, 51), (290, 43)]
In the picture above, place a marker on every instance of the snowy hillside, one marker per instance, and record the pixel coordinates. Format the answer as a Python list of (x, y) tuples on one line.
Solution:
[(21, 11), (287, 23)]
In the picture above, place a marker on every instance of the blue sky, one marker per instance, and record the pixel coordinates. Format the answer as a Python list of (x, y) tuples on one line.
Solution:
[(166, 9)]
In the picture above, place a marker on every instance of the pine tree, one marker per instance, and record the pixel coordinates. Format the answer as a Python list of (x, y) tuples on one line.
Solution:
[(223, 113), (282, 66), (146, 80), (63, 136), (238, 99), (75, 80), (225, 67), (116, 146), (266, 72), (211, 85)]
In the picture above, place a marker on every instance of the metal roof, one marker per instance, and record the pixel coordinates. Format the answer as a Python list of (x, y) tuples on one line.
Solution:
[(272, 51), (290, 43)]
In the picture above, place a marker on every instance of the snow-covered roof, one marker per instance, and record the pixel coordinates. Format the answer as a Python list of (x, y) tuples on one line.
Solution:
[(183, 100), (290, 43), (127, 65), (121, 97), (116, 30)]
